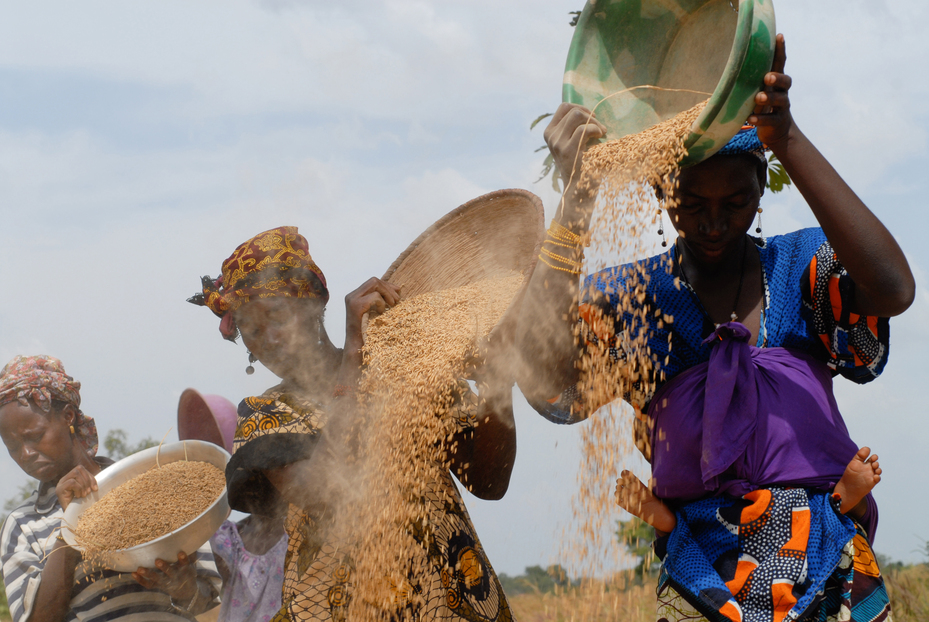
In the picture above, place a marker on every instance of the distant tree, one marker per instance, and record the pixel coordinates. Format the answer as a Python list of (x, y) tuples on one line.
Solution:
[(536, 580), (117, 447), (637, 536), (22, 493), (887, 563), (778, 179), (4, 606)]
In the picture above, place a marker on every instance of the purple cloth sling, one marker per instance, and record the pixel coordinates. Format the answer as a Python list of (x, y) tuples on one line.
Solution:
[(749, 418)]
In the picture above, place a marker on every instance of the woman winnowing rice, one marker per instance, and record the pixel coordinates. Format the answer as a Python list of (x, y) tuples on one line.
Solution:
[(754, 475), (274, 296)]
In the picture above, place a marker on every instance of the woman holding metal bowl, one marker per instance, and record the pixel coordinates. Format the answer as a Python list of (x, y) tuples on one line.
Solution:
[(52, 440)]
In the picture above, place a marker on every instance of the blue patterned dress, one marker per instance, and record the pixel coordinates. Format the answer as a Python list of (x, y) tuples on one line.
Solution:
[(778, 552)]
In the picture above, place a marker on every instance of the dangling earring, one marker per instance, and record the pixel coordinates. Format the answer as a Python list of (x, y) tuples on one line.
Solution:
[(72, 430), (664, 240), (251, 359), (319, 332), (758, 228)]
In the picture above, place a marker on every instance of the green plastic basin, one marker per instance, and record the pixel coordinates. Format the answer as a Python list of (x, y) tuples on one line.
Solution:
[(718, 48)]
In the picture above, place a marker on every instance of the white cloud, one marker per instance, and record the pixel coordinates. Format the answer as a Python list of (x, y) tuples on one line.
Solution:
[(384, 59), (419, 135), (854, 92)]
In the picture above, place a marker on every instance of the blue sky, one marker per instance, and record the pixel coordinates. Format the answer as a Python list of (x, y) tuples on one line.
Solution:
[(141, 142)]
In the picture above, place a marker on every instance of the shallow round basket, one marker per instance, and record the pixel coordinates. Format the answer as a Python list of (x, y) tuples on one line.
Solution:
[(489, 236), (188, 538), (720, 48)]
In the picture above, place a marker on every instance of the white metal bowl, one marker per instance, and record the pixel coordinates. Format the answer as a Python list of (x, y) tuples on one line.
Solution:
[(188, 538)]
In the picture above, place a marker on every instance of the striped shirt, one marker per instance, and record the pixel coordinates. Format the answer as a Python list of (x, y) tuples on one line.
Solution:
[(97, 596)]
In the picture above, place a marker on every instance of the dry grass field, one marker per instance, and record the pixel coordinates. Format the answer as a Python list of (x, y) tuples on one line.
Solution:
[(909, 592), (633, 604), (908, 587)]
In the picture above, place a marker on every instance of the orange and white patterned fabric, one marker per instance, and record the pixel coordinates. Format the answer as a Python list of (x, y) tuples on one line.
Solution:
[(455, 582)]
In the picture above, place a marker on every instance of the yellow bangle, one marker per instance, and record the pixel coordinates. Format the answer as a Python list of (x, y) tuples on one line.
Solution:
[(563, 234), (554, 242), (554, 267), (570, 262)]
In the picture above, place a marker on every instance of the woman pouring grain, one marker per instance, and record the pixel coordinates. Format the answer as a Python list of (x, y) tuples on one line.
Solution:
[(772, 517), (274, 295), (48, 436)]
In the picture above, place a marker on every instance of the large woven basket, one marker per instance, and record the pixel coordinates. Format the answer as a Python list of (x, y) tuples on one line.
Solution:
[(488, 236)]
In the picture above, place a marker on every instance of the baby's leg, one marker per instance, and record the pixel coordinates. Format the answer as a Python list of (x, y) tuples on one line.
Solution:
[(635, 497), (861, 475)]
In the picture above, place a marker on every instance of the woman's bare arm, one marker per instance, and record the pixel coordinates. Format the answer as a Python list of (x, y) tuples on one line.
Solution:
[(53, 598), (884, 284), (548, 316), (482, 457)]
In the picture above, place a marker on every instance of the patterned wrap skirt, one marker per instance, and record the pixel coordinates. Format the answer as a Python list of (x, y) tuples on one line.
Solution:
[(777, 554)]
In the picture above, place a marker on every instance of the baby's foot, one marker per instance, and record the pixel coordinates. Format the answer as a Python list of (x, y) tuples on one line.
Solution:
[(635, 497), (861, 475)]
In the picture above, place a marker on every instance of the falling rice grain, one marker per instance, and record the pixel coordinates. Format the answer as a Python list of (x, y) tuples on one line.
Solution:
[(628, 175), (416, 355)]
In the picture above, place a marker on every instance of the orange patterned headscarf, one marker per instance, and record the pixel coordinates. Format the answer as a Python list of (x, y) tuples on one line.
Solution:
[(276, 263)]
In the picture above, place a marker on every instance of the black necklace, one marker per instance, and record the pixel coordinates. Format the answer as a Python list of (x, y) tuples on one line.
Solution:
[(738, 292)]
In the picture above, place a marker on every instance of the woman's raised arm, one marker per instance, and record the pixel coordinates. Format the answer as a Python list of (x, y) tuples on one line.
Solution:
[(884, 284), (545, 332)]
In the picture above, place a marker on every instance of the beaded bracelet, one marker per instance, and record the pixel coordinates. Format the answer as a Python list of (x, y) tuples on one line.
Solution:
[(557, 237), (554, 267), (570, 263), (561, 233)]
